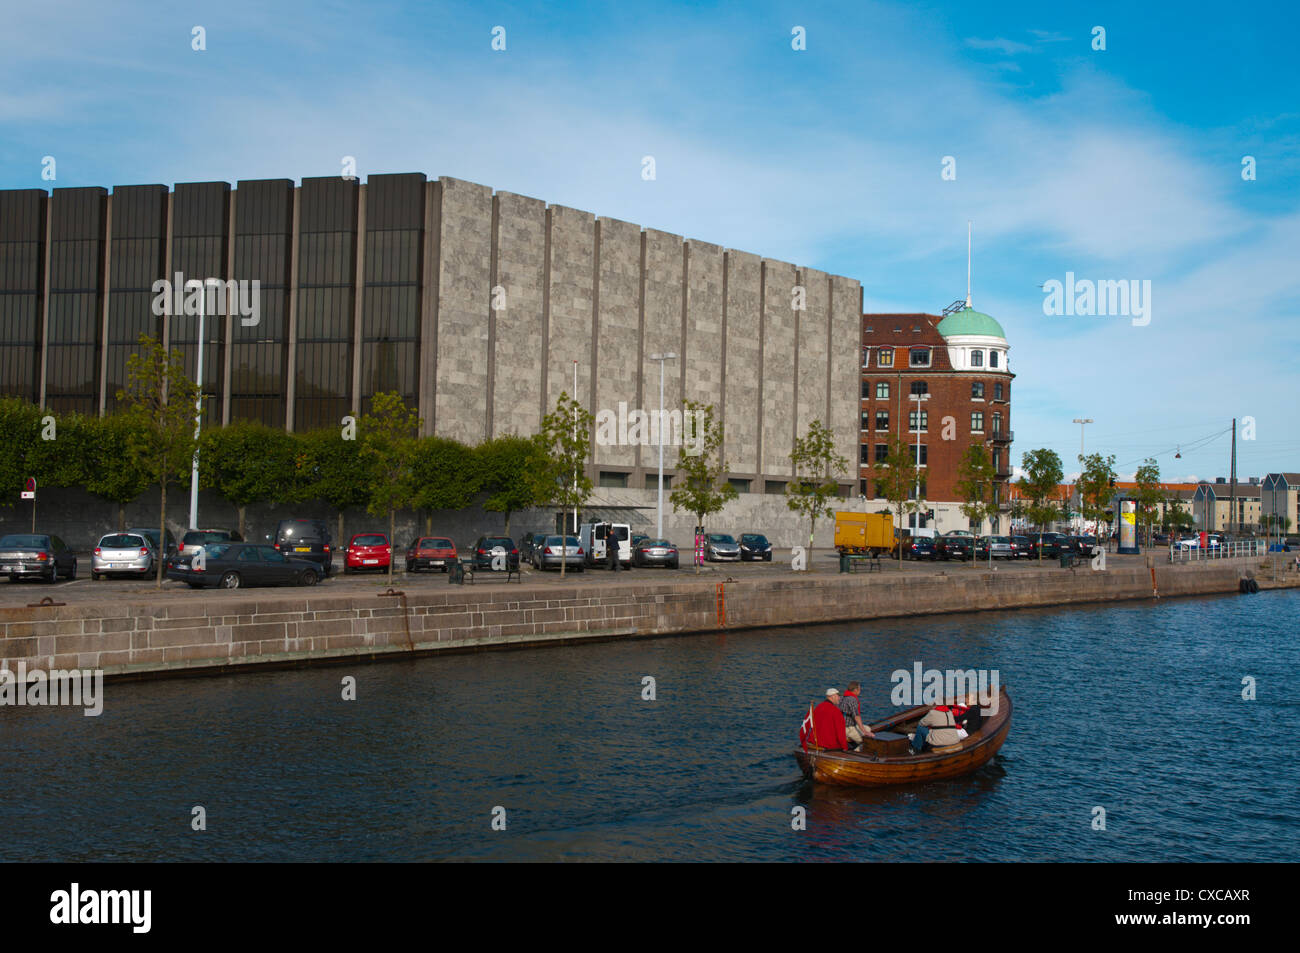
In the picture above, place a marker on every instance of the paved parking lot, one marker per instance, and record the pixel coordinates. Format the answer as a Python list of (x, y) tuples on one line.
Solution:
[(824, 562)]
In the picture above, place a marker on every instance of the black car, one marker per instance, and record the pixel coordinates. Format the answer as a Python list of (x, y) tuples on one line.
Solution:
[(489, 546), (754, 546), (1049, 546), (235, 565), (306, 539), (920, 547), (954, 546), (1020, 547), (36, 556), (1082, 546)]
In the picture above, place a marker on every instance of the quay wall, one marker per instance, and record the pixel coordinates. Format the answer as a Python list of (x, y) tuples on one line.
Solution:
[(221, 631)]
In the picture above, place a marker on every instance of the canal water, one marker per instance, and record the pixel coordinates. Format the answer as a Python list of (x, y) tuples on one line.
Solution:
[(1135, 709)]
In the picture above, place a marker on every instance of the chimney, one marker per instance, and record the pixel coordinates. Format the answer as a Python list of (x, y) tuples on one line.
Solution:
[(1220, 479), (1254, 481)]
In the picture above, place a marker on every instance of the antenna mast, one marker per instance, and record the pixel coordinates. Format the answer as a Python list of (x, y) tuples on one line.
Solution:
[(968, 263)]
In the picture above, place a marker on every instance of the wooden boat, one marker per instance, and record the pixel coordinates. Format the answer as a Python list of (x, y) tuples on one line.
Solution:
[(888, 758)]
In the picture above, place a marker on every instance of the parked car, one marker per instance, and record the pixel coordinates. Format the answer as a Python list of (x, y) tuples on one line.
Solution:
[(128, 554), (306, 539), (1048, 545), (638, 538), (235, 565), (1159, 539), (367, 551), (34, 555), (431, 552), (655, 552), (754, 546), (551, 551), (1000, 546), (1019, 547), (592, 538), (919, 547), (532, 541), (489, 546), (720, 547), (151, 534), (955, 545), (1083, 546), (195, 538)]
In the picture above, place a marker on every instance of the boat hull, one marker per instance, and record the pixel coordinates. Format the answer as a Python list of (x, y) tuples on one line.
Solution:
[(851, 769)]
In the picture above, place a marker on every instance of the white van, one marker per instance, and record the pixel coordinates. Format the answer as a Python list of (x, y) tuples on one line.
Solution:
[(593, 541)]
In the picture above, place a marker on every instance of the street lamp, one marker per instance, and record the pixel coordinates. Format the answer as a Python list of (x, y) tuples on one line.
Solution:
[(659, 509), (1082, 422)]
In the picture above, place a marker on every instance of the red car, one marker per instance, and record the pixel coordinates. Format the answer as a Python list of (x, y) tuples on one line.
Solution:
[(430, 552), (367, 551)]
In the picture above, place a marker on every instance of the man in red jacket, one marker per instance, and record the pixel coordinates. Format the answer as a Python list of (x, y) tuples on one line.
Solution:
[(828, 723)]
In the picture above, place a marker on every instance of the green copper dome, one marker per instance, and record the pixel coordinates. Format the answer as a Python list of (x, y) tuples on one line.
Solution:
[(970, 321)]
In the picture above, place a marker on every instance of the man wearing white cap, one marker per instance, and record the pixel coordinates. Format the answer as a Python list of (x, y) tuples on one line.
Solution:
[(828, 723)]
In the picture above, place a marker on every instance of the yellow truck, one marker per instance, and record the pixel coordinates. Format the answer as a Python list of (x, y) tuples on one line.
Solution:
[(868, 533)]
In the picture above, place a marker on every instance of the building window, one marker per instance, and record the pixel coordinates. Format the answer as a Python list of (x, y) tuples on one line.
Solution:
[(882, 452), (977, 390), (742, 486), (865, 455), (866, 356), (920, 387), (610, 478), (976, 358), (977, 422), (911, 421), (925, 455), (993, 358), (652, 481), (774, 487), (882, 390), (997, 391), (920, 357), (866, 390), (882, 420), (997, 424), (886, 357), (866, 420), (997, 461), (864, 488)]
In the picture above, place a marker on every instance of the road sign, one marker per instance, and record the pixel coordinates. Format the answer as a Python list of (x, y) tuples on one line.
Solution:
[(29, 489)]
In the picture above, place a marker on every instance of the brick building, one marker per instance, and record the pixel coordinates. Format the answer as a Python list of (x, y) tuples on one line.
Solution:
[(941, 381)]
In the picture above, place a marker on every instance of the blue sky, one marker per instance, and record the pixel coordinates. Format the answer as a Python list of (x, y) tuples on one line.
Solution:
[(1117, 164)]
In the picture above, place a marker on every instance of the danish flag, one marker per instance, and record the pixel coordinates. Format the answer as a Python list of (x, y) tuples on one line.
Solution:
[(806, 729)]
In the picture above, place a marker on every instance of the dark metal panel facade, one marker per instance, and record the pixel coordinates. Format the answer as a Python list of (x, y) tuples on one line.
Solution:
[(76, 283), (390, 334), (259, 355), (22, 259), (139, 229), (200, 213)]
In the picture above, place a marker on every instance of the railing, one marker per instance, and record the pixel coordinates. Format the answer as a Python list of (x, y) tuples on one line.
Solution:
[(1003, 436), (1235, 550)]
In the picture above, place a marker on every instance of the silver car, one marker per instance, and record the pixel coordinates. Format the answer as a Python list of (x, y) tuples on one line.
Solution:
[(721, 547), (127, 554), (549, 551)]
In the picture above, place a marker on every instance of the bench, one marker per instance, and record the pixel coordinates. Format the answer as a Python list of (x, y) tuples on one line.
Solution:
[(467, 569), (852, 562)]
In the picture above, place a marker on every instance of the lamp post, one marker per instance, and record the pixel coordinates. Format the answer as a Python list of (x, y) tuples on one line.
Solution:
[(659, 507), (198, 411), (1082, 422)]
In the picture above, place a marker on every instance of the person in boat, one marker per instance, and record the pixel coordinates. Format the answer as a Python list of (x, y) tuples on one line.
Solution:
[(851, 706), (938, 729), (970, 717), (828, 723)]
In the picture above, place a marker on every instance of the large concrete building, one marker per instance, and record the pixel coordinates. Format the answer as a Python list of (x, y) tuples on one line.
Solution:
[(477, 306)]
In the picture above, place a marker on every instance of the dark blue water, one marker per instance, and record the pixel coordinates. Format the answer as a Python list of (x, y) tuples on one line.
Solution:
[(1134, 708)]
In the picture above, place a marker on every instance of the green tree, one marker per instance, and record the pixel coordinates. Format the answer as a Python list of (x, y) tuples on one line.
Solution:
[(895, 478), (20, 427), (975, 486), (502, 463), (246, 462), (700, 486), (329, 467), (389, 434), (162, 402), (1148, 494), (1041, 474), (813, 488), (1096, 486), (112, 471), (560, 478)]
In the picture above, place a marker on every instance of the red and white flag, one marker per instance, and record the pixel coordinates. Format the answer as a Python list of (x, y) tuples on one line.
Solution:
[(806, 729)]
